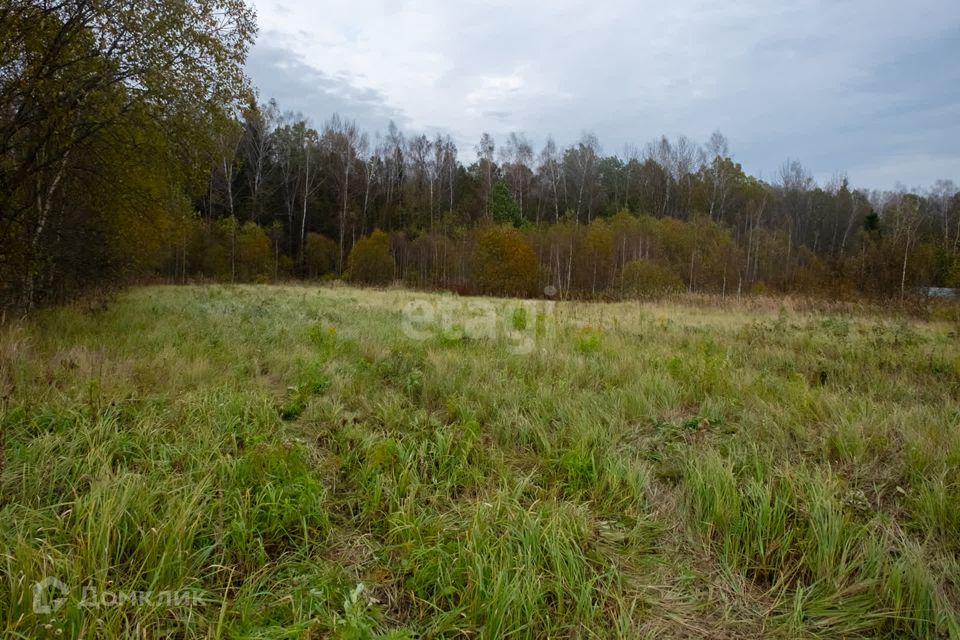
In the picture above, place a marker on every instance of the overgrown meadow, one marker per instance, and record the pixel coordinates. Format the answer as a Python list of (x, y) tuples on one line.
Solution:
[(331, 462)]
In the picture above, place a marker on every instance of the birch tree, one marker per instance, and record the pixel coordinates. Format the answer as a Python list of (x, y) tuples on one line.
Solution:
[(549, 172), (347, 143), (485, 154), (256, 150), (718, 150)]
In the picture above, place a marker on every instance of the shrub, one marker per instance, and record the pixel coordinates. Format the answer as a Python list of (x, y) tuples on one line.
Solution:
[(319, 255), (228, 251), (254, 255), (504, 262), (370, 260), (645, 278)]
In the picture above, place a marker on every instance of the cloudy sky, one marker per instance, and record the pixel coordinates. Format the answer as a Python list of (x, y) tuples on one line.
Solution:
[(867, 87)]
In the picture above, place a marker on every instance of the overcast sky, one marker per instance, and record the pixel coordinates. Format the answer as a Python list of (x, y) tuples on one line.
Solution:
[(868, 87)]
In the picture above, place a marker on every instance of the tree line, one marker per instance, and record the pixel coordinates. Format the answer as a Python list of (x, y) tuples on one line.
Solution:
[(686, 213), (125, 156)]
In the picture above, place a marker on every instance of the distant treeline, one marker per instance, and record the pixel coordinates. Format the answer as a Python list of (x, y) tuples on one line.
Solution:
[(122, 160), (572, 221)]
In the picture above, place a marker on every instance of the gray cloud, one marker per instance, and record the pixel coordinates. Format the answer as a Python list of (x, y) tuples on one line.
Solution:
[(280, 74), (844, 85), (501, 116)]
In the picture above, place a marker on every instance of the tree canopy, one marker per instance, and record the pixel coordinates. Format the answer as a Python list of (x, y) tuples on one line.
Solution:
[(114, 100)]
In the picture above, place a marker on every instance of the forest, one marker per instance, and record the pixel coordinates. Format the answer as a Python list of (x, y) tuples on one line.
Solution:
[(125, 159)]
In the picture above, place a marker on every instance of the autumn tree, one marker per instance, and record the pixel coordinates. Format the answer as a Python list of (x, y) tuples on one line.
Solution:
[(371, 261), (76, 71), (504, 262)]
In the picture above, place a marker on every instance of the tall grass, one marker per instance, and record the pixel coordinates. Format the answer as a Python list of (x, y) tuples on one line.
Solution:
[(298, 465)]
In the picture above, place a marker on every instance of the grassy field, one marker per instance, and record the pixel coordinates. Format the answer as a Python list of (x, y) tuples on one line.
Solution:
[(303, 462)]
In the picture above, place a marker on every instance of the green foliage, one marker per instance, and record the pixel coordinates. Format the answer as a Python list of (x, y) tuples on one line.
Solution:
[(519, 319), (589, 340), (371, 261), (272, 500), (503, 207), (578, 469)]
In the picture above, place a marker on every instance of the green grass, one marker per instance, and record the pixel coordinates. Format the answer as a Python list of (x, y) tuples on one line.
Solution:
[(299, 464)]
